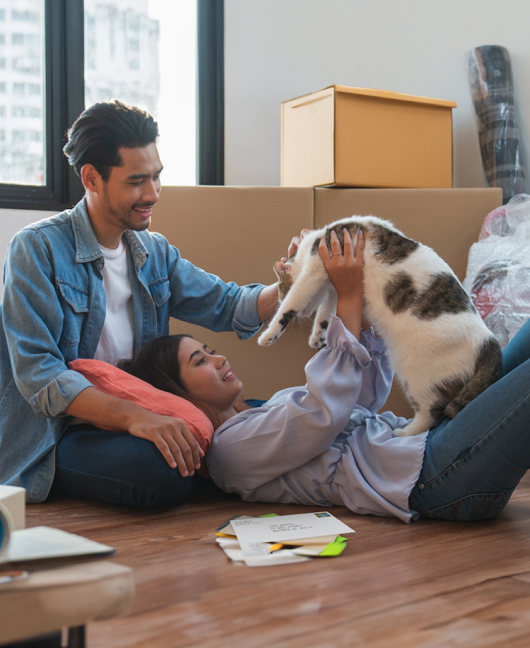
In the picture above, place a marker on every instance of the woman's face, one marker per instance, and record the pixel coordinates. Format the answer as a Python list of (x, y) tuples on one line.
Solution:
[(207, 376)]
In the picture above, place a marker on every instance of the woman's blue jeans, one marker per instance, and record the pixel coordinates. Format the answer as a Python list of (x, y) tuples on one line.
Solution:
[(473, 462)]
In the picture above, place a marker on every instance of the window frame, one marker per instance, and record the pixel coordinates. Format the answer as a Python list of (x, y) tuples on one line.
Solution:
[(210, 92), (65, 101)]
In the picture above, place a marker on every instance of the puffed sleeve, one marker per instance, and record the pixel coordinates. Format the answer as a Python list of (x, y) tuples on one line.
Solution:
[(296, 424), (378, 376)]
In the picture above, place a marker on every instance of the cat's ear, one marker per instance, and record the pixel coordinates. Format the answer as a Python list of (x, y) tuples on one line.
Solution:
[(281, 269)]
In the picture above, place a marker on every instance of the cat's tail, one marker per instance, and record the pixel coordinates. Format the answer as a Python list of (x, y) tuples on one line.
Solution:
[(488, 368)]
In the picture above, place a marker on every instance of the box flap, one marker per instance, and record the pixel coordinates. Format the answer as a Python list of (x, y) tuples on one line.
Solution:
[(396, 96)]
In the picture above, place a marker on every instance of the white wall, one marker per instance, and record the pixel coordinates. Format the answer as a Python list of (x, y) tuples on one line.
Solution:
[(276, 50)]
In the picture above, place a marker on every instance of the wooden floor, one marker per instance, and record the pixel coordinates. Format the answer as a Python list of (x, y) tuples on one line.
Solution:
[(429, 584)]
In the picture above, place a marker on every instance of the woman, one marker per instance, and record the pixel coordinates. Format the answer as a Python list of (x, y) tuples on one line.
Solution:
[(325, 444)]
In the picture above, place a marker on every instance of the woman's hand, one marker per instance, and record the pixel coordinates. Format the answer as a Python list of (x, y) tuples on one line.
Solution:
[(172, 437), (346, 270)]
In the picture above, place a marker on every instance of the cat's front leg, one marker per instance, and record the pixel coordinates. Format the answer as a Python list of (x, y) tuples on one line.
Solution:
[(421, 422), (277, 326), (302, 292), (322, 319)]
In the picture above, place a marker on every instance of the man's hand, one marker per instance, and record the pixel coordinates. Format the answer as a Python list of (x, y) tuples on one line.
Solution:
[(268, 297), (171, 436), (295, 243)]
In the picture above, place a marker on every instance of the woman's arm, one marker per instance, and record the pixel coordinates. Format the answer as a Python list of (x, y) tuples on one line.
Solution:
[(297, 424)]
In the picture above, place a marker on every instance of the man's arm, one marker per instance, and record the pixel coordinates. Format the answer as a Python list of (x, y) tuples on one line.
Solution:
[(34, 321), (267, 302), (170, 435)]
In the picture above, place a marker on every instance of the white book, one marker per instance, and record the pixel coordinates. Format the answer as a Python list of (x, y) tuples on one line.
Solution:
[(42, 542)]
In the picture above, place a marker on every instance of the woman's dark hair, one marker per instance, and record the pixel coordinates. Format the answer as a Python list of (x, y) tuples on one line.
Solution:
[(101, 130), (158, 364)]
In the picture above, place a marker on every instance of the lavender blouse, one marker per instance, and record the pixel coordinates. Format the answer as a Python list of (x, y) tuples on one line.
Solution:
[(324, 443)]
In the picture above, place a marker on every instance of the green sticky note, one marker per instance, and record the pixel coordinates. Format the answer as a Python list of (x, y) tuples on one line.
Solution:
[(334, 548), (269, 515)]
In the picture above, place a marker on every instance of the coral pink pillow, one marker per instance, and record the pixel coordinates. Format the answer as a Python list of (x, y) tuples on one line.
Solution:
[(115, 382)]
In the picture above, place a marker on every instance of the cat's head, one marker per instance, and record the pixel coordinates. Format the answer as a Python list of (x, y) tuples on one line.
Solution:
[(285, 277)]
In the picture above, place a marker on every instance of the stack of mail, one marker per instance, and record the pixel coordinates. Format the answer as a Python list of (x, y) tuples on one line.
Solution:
[(275, 540)]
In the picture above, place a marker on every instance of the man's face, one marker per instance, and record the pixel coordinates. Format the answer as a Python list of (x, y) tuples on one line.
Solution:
[(133, 188)]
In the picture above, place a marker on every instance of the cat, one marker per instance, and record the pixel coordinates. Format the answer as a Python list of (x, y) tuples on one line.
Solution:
[(441, 350)]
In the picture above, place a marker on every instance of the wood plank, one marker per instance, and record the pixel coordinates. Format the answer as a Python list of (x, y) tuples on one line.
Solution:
[(430, 583)]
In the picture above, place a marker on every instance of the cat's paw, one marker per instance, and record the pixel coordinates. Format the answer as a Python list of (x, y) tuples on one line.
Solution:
[(266, 339), (318, 341)]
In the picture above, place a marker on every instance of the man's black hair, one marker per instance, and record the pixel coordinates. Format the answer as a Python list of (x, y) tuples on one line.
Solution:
[(101, 130)]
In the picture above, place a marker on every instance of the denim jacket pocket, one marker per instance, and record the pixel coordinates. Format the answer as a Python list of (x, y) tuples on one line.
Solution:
[(160, 291), (75, 308), (473, 507)]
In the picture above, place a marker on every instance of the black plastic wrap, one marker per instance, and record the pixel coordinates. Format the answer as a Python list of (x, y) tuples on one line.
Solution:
[(491, 81)]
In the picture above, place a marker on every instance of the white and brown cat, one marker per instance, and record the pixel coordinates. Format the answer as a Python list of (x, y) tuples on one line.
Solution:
[(441, 350)]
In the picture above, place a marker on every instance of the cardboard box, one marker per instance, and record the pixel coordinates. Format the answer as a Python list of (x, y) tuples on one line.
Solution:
[(357, 137), (447, 220)]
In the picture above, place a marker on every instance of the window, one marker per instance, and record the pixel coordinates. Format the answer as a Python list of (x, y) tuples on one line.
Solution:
[(48, 74)]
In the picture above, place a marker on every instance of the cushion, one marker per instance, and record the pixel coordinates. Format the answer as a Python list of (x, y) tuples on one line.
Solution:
[(116, 382)]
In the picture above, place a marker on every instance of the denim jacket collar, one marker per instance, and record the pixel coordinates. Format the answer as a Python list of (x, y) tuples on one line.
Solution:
[(86, 244)]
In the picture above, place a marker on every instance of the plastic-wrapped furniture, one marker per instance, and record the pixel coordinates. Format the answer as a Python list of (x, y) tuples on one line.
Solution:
[(498, 271), (491, 81)]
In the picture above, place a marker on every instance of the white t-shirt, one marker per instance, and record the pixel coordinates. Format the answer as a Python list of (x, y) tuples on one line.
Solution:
[(117, 338)]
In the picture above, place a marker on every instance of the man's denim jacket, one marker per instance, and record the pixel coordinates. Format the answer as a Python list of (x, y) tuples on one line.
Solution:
[(53, 311)]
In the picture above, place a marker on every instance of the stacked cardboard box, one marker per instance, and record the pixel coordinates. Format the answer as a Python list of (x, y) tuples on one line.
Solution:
[(356, 137)]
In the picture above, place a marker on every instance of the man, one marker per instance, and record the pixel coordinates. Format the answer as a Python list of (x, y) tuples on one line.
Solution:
[(93, 282)]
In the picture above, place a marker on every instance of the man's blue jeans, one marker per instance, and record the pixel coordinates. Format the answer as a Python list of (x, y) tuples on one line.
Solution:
[(473, 463), (119, 468)]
